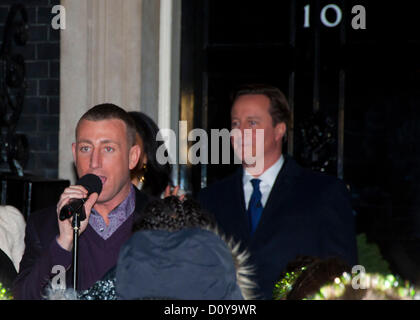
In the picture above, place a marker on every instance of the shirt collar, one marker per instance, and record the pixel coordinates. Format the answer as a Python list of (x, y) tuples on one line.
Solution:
[(125, 208), (269, 176), (116, 217)]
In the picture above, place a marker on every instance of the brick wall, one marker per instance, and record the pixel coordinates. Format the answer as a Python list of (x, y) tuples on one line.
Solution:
[(39, 120)]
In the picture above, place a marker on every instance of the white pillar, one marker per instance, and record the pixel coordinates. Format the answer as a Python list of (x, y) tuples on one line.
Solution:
[(73, 80), (105, 53), (100, 62), (165, 54), (169, 68)]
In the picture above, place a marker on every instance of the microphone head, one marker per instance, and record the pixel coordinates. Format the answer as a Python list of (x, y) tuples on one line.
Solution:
[(91, 182)]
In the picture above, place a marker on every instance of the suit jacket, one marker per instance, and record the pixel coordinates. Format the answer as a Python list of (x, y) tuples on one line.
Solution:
[(42, 252), (307, 213)]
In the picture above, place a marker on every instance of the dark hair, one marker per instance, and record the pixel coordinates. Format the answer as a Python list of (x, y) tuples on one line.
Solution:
[(279, 107), (172, 214), (156, 176), (107, 111), (317, 273)]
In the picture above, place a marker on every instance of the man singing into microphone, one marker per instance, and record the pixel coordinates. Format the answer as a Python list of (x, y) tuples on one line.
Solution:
[(105, 146)]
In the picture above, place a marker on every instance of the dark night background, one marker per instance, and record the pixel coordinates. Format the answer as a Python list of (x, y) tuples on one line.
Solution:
[(373, 75), (39, 120), (364, 84)]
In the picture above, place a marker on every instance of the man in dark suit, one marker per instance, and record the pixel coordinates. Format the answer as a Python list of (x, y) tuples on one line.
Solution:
[(274, 207), (105, 146)]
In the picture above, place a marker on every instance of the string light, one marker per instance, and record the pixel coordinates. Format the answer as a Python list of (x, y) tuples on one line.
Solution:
[(4, 294), (285, 285), (371, 286), (380, 286)]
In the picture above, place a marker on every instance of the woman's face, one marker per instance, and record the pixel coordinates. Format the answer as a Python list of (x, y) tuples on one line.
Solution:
[(143, 157), (136, 172)]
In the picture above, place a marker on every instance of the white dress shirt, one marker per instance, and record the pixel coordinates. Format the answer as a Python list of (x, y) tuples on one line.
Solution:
[(267, 181)]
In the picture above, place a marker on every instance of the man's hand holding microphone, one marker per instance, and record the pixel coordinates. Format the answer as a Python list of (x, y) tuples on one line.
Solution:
[(78, 199)]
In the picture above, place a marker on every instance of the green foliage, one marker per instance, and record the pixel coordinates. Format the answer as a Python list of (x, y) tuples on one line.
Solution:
[(370, 256), (285, 284)]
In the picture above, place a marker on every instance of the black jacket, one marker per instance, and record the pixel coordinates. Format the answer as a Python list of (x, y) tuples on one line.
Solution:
[(307, 213), (37, 262)]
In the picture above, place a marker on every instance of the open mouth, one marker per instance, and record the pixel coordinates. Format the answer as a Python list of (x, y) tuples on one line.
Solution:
[(103, 179)]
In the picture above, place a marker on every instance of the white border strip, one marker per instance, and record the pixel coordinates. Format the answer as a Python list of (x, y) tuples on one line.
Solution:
[(165, 57)]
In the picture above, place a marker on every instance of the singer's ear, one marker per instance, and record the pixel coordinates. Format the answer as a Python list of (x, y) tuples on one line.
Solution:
[(134, 156), (73, 149)]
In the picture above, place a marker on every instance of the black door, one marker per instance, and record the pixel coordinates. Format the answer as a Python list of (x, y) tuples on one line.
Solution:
[(352, 77)]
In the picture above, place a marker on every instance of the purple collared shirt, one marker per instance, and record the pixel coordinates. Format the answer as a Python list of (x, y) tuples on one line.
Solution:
[(116, 216)]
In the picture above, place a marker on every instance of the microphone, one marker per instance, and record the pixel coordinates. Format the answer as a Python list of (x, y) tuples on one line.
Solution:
[(92, 183)]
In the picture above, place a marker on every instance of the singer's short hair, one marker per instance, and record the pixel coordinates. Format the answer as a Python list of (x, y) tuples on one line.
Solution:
[(108, 111)]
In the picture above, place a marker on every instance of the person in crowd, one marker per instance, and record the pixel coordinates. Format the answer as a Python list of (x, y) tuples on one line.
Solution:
[(12, 234), (305, 275), (12, 245), (272, 205), (311, 278), (149, 175), (105, 146), (175, 252)]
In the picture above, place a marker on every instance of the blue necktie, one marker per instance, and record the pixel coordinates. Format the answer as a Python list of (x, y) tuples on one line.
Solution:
[(255, 207)]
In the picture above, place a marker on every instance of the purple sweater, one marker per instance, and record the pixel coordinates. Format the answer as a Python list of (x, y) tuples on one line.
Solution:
[(42, 253)]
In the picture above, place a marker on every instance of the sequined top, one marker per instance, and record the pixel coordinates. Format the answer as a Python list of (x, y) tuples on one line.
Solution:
[(101, 290)]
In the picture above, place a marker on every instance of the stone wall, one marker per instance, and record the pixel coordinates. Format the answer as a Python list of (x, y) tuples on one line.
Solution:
[(39, 120)]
